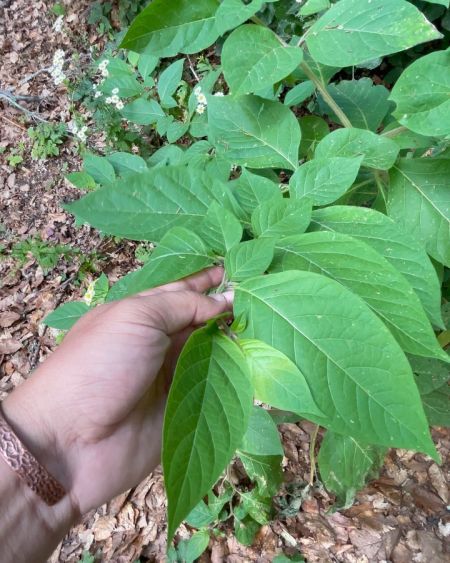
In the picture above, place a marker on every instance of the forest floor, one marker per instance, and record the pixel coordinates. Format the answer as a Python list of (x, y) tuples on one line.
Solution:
[(402, 516)]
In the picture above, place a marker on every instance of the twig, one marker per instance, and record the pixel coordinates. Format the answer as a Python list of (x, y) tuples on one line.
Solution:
[(12, 100), (191, 66), (13, 122), (394, 132), (312, 457), (31, 76)]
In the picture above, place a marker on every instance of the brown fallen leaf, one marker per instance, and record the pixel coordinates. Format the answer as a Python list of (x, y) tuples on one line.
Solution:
[(426, 500), (8, 318), (9, 346)]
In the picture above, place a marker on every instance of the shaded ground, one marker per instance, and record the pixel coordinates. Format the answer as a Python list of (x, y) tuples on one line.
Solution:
[(400, 517)]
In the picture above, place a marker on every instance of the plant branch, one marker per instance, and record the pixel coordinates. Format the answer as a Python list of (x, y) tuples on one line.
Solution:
[(394, 132), (312, 457), (325, 94), (380, 186), (12, 100)]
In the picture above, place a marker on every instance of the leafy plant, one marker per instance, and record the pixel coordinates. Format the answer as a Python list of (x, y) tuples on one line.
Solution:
[(46, 138), (336, 242)]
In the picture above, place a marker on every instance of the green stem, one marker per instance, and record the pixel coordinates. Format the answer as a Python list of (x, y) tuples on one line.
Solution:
[(312, 457), (325, 95), (380, 186), (394, 132)]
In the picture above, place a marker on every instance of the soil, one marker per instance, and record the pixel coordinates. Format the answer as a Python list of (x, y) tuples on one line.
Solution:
[(402, 516)]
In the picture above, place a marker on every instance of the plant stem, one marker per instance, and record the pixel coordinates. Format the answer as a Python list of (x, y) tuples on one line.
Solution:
[(325, 95), (312, 457), (380, 186), (394, 132)]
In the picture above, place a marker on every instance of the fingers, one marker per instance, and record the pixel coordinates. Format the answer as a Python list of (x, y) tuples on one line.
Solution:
[(173, 311), (200, 282)]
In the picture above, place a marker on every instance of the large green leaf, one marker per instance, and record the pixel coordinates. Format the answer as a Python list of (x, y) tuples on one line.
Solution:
[(345, 465), (253, 58), (125, 163), (276, 380), (366, 273), (232, 13), (164, 29), (365, 104), (281, 217), (254, 132), (392, 242), (179, 254), (324, 180), (248, 259), (423, 104), (251, 190), (357, 373), (314, 129), (352, 32), (146, 206), (66, 315), (206, 417), (261, 436), (377, 152), (221, 229), (99, 168), (419, 200)]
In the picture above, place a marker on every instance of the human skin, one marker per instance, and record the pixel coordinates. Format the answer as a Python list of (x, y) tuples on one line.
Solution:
[(92, 413)]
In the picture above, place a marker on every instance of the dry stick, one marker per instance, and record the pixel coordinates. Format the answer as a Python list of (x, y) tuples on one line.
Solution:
[(13, 122), (312, 458), (11, 99), (191, 66)]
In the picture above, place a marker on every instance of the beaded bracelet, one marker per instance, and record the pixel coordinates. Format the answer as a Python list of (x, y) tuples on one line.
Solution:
[(26, 466)]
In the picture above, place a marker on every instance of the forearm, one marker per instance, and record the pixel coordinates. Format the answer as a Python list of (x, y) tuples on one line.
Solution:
[(29, 528)]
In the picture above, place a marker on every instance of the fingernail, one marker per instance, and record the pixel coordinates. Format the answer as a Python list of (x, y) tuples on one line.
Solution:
[(226, 296)]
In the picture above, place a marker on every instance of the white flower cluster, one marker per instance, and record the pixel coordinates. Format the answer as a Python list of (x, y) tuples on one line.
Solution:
[(114, 99), (79, 132), (56, 70), (103, 68), (90, 294), (202, 102), (219, 94), (98, 93), (58, 25)]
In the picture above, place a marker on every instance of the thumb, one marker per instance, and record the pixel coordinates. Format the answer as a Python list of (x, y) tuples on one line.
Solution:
[(173, 311)]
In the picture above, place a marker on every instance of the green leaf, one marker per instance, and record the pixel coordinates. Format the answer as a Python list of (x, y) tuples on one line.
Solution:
[(367, 274), (81, 180), (257, 506), (232, 13), (168, 82), (265, 470), (314, 128), (281, 217), (65, 316), (276, 380), (261, 437), (251, 190), (147, 64), (191, 549), (165, 30), (128, 86), (299, 93), (206, 417), (176, 130), (365, 104), (143, 112), (200, 516), (248, 259), (391, 241), (352, 32), (423, 104), (430, 374), (246, 130), (357, 373), (311, 7), (179, 254), (99, 168), (377, 152), (253, 58), (146, 206), (220, 230), (101, 290), (436, 406), (345, 465), (419, 200), (324, 180), (245, 530), (125, 163)]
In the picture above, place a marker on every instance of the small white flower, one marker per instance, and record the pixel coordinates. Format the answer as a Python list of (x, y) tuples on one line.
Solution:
[(115, 99), (57, 26), (200, 109), (219, 94), (105, 72), (108, 100), (89, 295), (98, 94), (94, 86), (115, 91), (120, 105), (103, 64), (201, 99)]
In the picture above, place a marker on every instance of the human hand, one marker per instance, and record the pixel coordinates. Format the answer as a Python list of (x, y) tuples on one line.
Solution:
[(92, 413)]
